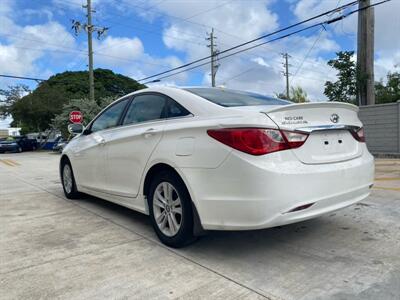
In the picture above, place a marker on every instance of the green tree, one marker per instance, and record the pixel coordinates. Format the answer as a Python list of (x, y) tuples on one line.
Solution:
[(389, 92), (298, 95), (9, 97), (88, 108), (35, 111), (345, 88)]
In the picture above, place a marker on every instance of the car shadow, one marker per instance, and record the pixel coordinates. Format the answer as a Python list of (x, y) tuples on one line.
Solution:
[(222, 241)]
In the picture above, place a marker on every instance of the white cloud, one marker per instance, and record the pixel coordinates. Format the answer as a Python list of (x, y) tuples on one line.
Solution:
[(129, 57), (122, 48), (23, 46)]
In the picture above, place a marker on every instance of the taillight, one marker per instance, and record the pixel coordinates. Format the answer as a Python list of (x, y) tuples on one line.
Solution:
[(358, 134), (258, 141)]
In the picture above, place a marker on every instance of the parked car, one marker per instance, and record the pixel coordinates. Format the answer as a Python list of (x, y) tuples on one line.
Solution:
[(18, 144), (217, 159), (59, 145)]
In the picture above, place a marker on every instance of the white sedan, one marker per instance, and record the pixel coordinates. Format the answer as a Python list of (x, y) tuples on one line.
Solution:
[(198, 159)]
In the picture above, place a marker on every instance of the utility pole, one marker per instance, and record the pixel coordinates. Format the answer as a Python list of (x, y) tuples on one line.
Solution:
[(286, 73), (365, 54), (214, 53), (89, 28), (90, 49)]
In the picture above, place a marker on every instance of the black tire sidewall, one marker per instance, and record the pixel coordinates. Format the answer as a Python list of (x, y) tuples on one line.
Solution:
[(74, 192), (185, 233)]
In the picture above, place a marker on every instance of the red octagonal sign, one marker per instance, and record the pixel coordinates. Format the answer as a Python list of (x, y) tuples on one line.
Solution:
[(75, 117)]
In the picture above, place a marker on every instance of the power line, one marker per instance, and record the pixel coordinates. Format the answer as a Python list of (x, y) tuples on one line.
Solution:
[(257, 39), (22, 77), (207, 10), (163, 34), (312, 47), (307, 54), (83, 52), (260, 44), (112, 20), (239, 74)]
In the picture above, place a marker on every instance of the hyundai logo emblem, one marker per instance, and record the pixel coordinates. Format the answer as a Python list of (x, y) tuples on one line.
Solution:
[(335, 118)]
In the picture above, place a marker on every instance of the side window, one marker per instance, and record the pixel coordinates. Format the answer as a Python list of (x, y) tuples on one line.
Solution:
[(145, 108), (110, 117), (175, 110)]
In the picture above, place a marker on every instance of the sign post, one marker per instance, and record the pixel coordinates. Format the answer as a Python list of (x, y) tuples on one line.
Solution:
[(75, 117)]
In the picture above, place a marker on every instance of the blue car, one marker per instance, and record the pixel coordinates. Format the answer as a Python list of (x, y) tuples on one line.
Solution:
[(17, 144)]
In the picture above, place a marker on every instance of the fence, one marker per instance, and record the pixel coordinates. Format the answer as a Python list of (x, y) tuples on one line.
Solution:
[(382, 127)]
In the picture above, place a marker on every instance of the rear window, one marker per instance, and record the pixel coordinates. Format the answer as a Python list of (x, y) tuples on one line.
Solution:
[(230, 98)]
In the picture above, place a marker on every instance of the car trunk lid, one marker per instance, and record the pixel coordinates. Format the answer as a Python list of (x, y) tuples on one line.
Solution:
[(329, 125)]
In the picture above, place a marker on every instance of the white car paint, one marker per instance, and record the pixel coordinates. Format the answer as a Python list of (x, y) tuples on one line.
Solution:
[(230, 189)]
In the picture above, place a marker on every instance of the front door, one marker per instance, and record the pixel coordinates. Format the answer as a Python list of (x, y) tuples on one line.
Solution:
[(90, 152)]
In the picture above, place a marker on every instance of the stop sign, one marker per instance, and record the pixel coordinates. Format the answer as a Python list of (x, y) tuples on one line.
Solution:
[(75, 117)]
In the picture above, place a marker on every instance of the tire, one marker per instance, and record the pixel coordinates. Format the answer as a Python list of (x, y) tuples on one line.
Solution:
[(19, 150), (165, 214), (68, 181)]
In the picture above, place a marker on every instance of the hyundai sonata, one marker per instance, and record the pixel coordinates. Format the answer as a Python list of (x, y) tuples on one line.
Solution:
[(198, 159)]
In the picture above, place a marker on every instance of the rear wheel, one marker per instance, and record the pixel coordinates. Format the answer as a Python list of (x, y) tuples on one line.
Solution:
[(170, 208), (19, 150), (68, 181)]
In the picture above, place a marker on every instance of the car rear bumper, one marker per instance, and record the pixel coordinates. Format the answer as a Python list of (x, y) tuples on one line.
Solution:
[(253, 192)]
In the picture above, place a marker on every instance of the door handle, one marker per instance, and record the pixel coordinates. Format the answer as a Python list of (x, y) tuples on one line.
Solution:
[(100, 140), (149, 132)]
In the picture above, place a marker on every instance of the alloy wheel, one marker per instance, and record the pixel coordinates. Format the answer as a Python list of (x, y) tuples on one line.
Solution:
[(167, 208), (67, 178)]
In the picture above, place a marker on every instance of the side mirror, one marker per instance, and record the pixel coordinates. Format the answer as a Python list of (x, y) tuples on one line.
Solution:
[(75, 129)]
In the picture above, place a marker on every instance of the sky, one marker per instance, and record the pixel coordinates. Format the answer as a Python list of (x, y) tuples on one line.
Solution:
[(146, 37)]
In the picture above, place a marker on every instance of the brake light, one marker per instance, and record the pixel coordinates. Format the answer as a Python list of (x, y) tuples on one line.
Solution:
[(358, 134), (258, 141)]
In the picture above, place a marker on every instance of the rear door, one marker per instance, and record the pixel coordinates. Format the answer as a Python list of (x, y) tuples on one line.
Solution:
[(329, 125), (129, 147)]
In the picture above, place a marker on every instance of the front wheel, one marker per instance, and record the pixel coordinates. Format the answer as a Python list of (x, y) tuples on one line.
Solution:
[(170, 208), (68, 181)]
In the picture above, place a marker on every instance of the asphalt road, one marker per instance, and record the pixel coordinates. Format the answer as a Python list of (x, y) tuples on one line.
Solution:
[(51, 247)]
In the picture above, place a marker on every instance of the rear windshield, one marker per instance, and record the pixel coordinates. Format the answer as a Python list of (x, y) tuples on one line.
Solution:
[(230, 98)]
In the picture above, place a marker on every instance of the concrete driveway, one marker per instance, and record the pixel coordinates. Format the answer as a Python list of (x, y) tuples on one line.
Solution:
[(51, 247)]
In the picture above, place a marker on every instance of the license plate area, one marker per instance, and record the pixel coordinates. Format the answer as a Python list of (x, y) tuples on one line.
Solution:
[(333, 141), (328, 146)]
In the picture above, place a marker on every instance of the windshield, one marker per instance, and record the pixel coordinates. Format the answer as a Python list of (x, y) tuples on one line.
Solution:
[(230, 98)]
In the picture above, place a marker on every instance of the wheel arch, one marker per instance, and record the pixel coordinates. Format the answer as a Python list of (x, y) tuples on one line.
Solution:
[(64, 158), (158, 167)]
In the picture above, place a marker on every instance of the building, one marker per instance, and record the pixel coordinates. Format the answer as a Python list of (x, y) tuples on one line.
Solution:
[(12, 131)]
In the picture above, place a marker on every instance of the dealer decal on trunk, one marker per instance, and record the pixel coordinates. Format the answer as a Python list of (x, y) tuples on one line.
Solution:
[(291, 120)]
